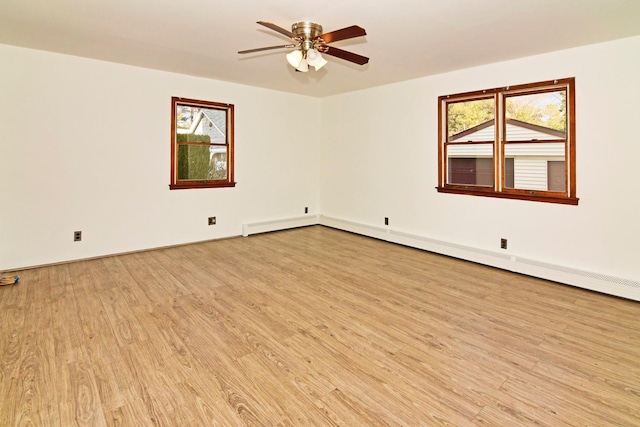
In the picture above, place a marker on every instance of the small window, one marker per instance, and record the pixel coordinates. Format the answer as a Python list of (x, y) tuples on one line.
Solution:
[(514, 142), (201, 144)]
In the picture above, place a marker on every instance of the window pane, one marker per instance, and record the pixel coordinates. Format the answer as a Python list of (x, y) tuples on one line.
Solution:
[(218, 162), (470, 171), (536, 117), (529, 165), (202, 121), (470, 164), (471, 120)]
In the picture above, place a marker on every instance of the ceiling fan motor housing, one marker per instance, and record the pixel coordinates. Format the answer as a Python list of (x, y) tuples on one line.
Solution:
[(307, 32)]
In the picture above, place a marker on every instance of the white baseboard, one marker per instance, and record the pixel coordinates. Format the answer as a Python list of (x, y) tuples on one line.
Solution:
[(279, 224), (575, 277)]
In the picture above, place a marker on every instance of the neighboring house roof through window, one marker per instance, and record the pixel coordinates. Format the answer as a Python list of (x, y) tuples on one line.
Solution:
[(523, 128)]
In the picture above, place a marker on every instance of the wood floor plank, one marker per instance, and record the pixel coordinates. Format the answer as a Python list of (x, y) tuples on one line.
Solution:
[(571, 404), (311, 326), (340, 410), (85, 404), (125, 282), (626, 396)]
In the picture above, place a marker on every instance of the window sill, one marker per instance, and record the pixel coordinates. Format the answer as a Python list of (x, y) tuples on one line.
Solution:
[(514, 196), (191, 185)]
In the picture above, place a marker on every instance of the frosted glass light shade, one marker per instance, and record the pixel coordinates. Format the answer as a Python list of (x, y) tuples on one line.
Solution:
[(320, 64), (303, 66), (294, 58), (313, 57)]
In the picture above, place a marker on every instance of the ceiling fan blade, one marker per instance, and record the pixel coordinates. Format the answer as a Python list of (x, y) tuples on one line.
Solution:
[(260, 49), (280, 30), (343, 54), (343, 34)]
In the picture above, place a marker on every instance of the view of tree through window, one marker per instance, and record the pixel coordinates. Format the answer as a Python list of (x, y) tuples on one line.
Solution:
[(468, 114), (548, 109)]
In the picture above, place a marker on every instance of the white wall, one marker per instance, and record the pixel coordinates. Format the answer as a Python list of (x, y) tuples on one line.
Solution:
[(379, 159), (85, 145)]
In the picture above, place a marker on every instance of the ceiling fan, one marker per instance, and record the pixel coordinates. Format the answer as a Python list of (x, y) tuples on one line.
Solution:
[(310, 43)]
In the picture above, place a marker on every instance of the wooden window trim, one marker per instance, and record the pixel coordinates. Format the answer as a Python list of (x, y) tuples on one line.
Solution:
[(211, 183), (498, 190)]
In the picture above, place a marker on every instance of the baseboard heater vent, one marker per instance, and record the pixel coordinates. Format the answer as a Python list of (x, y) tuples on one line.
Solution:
[(278, 224), (450, 245), (581, 273), (598, 282)]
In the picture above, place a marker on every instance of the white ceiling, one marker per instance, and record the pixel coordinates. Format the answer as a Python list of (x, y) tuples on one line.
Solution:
[(405, 39)]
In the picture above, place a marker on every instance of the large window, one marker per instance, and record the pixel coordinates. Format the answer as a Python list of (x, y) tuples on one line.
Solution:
[(512, 142), (201, 144)]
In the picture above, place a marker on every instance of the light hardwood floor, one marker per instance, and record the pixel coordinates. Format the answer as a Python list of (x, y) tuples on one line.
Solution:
[(311, 326)]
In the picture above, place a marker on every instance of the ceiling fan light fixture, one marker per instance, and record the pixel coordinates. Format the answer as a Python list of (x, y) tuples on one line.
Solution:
[(320, 64), (294, 58), (303, 66), (313, 57)]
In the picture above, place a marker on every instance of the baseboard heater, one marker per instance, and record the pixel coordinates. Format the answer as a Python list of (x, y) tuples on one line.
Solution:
[(603, 283), (279, 224)]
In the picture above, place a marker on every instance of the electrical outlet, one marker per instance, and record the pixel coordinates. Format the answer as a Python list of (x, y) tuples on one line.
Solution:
[(503, 243), (386, 220), (77, 236), (306, 209), (212, 220)]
